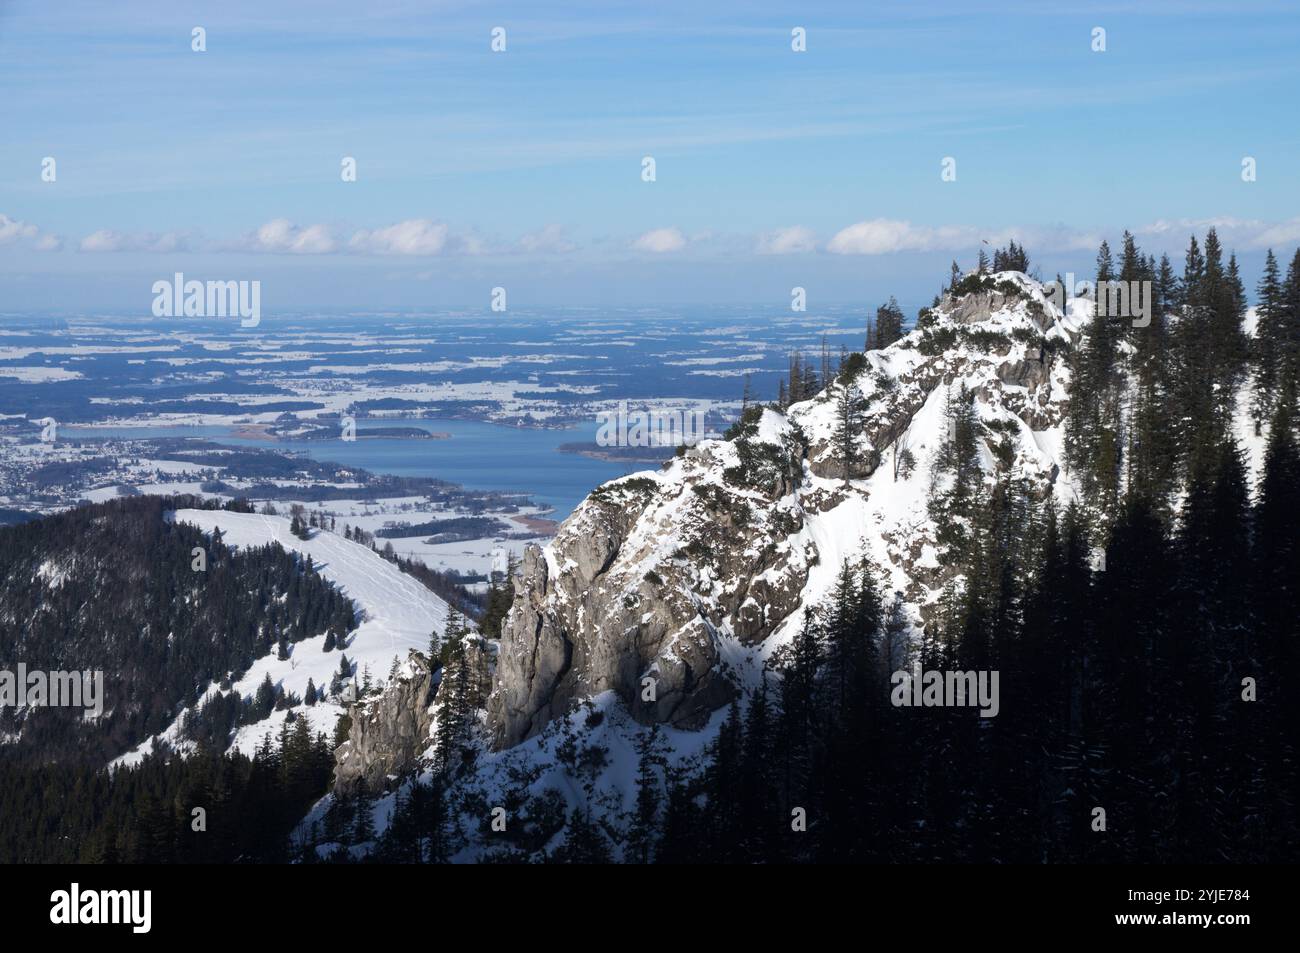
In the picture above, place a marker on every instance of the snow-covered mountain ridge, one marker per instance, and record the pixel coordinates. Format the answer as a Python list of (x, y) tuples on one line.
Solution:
[(671, 588)]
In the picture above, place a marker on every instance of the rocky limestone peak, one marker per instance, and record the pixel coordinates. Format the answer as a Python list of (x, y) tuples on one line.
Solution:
[(670, 588)]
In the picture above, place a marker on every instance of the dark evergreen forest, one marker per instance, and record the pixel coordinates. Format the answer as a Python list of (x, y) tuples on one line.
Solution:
[(113, 587)]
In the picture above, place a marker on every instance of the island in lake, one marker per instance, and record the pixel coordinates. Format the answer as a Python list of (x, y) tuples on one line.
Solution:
[(618, 454)]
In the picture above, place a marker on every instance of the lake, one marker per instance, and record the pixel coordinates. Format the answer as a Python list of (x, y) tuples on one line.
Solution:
[(478, 456)]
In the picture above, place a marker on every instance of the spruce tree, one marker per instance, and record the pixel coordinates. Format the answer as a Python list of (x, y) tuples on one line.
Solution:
[(848, 425), (644, 826), (1289, 334), (1270, 347), (722, 784)]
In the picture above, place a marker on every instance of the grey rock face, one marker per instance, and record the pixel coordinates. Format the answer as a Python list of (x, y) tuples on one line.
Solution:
[(644, 581), (389, 732)]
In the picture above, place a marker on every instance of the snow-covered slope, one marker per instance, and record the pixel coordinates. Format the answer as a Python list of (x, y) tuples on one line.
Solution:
[(396, 612)]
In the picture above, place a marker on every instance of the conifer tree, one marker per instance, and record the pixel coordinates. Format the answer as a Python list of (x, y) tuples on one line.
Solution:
[(642, 830), (583, 842), (848, 424), (454, 702), (759, 810), (683, 840), (1270, 345), (1289, 334), (722, 784)]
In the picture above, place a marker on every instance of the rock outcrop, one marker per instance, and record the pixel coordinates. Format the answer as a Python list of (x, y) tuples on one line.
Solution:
[(392, 734), (388, 732), (660, 584)]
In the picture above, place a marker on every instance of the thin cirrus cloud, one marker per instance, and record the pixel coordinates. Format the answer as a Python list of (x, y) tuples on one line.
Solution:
[(660, 241), (13, 232)]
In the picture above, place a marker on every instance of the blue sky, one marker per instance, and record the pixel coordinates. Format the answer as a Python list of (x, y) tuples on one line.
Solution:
[(522, 168)]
